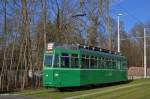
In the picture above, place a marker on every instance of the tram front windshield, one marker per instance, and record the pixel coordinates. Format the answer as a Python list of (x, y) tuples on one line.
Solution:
[(48, 60)]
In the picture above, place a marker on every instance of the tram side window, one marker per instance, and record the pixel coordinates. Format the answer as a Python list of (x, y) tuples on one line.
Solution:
[(110, 64), (74, 61), (98, 62), (93, 62), (121, 65), (100, 65), (107, 63), (113, 64), (124, 65), (103, 63), (118, 64), (56, 61), (65, 60), (85, 61)]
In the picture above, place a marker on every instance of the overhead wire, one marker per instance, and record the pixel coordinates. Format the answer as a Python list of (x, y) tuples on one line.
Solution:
[(132, 15)]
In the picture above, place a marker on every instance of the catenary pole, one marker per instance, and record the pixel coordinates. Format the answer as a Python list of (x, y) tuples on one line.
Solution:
[(119, 31), (145, 58)]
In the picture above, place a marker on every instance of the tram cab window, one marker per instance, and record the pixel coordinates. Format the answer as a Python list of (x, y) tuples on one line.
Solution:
[(74, 61), (65, 60), (48, 60), (56, 61)]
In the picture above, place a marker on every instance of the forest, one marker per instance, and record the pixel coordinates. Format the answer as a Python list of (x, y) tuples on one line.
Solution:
[(26, 26)]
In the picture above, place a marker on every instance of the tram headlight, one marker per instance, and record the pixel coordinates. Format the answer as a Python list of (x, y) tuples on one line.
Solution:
[(56, 75), (46, 75)]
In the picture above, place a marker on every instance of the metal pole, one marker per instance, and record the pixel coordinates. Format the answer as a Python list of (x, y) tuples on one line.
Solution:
[(44, 23), (145, 64), (118, 35)]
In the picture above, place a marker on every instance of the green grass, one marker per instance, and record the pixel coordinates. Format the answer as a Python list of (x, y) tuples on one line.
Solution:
[(137, 89)]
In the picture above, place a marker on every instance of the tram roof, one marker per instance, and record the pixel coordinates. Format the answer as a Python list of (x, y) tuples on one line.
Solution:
[(81, 47)]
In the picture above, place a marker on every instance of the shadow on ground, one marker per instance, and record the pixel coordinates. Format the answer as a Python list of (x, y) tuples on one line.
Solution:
[(88, 87)]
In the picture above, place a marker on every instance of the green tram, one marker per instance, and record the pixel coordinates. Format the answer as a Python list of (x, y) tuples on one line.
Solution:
[(77, 65)]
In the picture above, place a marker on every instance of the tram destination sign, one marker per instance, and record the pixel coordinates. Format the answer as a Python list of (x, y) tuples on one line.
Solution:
[(50, 46)]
